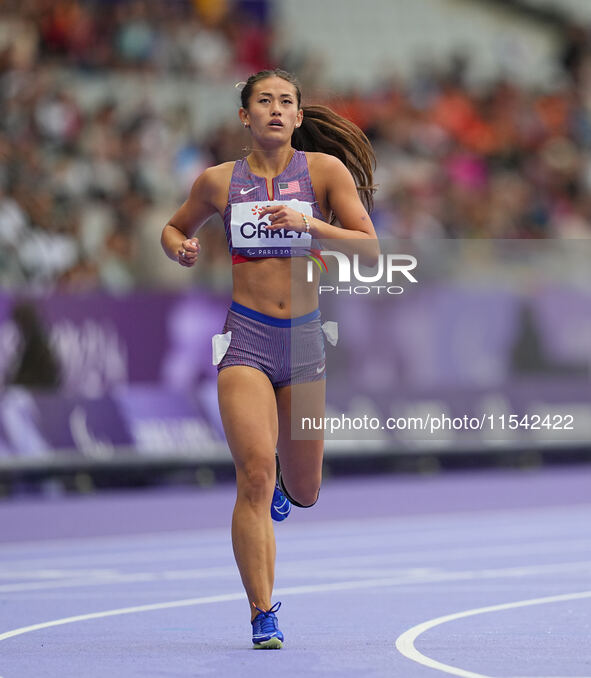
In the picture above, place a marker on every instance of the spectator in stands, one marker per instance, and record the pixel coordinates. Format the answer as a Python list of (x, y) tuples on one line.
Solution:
[(505, 161)]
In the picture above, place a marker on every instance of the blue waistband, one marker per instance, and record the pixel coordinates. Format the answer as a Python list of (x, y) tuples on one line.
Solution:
[(271, 320)]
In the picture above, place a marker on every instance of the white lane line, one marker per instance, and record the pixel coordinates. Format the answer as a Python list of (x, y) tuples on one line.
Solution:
[(288, 548), (444, 551), (405, 642), (124, 610), (392, 575), (284, 591), (123, 557), (44, 575), (297, 590), (409, 524)]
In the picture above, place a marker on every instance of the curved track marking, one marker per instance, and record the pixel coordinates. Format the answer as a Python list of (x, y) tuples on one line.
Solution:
[(405, 642), (124, 610), (284, 591)]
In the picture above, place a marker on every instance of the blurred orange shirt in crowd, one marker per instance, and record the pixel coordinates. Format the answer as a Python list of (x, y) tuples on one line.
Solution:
[(211, 12)]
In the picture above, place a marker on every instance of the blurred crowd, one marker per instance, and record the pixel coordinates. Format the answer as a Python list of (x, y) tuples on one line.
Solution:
[(84, 191)]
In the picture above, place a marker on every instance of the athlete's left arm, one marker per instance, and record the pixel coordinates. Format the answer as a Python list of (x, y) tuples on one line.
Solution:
[(357, 234)]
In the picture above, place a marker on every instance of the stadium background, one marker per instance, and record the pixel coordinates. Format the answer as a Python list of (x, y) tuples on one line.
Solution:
[(480, 115)]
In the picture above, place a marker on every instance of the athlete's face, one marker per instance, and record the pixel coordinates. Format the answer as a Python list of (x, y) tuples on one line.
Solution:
[(273, 111)]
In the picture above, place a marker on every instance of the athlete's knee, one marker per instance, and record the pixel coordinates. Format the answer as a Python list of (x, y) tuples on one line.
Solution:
[(255, 483)]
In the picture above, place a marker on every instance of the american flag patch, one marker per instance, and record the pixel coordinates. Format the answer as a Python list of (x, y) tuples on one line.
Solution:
[(289, 187)]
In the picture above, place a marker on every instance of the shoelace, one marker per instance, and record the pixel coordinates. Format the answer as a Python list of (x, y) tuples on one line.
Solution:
[(267, 617)]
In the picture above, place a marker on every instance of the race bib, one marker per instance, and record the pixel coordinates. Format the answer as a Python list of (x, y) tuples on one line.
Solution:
[(251, 239)]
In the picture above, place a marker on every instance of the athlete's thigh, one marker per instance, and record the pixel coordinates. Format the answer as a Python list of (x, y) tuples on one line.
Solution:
[(249, 414), (301, 445)]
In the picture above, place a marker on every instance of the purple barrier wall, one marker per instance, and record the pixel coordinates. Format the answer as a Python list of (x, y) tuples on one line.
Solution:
[(136, 376), (137, 372), (104, 341)]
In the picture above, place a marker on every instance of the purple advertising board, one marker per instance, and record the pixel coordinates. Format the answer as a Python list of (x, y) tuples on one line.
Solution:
[(137, 375)]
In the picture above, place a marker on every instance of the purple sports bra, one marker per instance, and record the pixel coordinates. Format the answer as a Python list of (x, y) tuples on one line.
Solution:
[(245, 231)]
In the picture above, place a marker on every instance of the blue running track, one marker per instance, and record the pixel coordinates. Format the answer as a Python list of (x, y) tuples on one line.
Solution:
[(478, 575)]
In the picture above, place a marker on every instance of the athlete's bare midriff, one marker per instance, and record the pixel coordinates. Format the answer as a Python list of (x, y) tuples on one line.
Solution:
[(275, 286)]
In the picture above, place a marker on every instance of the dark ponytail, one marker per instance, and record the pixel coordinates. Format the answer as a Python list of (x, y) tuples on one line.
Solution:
[(324, 131)]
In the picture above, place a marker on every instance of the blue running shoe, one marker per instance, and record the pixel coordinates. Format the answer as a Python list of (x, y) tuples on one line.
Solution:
[(280, 506), (265, 634)]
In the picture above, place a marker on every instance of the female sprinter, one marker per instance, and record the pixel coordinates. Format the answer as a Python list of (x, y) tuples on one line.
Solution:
[(297, 178)]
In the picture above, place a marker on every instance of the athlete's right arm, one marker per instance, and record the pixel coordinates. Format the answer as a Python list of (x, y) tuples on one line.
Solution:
[(177, 236)]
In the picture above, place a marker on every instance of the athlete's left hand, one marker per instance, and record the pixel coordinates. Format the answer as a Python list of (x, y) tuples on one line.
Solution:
[(282, 216)]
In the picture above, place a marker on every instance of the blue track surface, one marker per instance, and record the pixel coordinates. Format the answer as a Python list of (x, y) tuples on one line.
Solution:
[(474, 575)]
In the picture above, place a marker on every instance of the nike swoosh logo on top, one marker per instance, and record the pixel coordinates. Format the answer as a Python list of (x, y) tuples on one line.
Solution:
[(319, 369), (243, 192)]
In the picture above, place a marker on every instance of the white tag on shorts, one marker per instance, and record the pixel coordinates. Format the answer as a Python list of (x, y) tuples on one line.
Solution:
[(220, 343), (331, 331)]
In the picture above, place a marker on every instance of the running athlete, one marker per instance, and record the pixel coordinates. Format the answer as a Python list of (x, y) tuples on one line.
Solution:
[(306, 169)]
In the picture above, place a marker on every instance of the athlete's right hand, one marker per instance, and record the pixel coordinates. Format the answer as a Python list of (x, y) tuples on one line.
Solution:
[(188, 252)]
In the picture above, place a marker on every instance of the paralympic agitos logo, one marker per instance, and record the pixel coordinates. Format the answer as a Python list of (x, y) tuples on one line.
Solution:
[(388, 265)]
